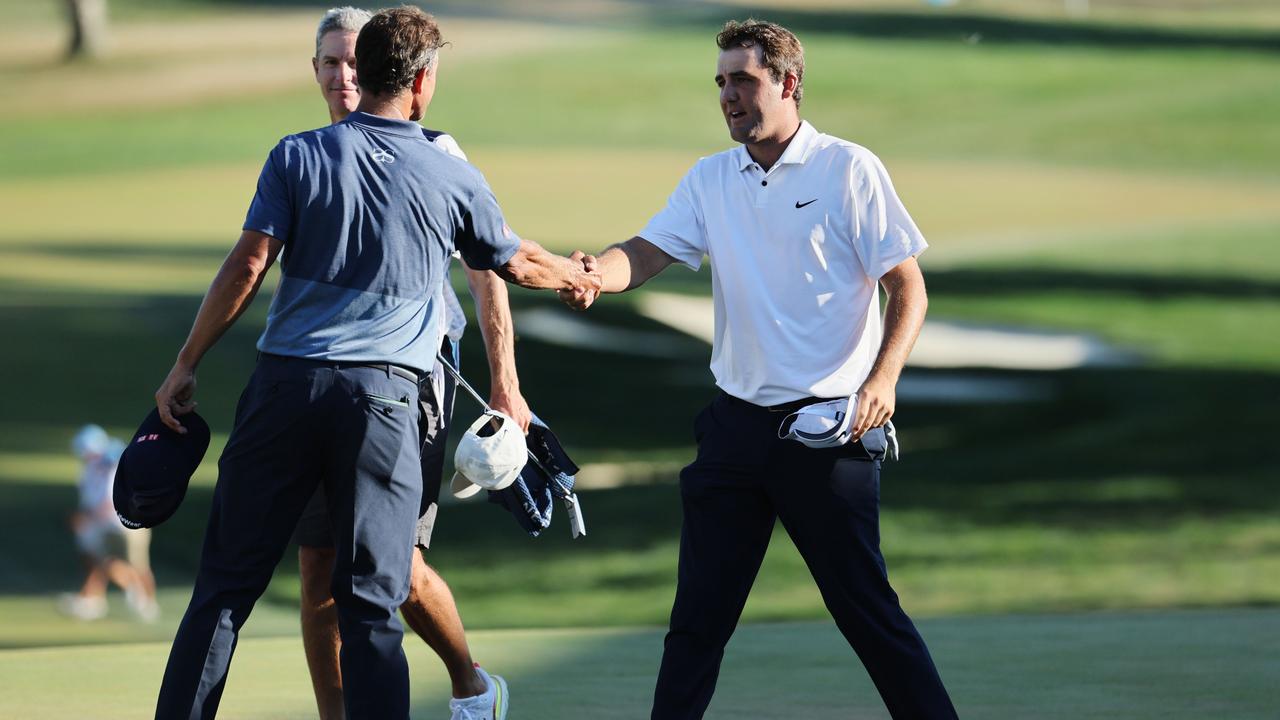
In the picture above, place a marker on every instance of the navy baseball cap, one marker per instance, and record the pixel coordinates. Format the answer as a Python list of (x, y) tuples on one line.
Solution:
[(156, 468)]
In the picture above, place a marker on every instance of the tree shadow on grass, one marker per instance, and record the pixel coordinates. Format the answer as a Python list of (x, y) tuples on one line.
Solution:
[(100, 358), (121, 250), (973, 27), (1115, 447), (1109, 449), (1032, 278)]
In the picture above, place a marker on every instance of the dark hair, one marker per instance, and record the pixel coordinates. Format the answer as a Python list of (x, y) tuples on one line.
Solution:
[(780, 49), (393, 47)]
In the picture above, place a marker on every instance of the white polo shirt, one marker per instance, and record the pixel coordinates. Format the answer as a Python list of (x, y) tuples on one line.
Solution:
[(796, 254)]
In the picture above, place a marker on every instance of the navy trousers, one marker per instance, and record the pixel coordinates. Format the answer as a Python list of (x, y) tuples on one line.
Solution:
[(829, 503), (299, 423)]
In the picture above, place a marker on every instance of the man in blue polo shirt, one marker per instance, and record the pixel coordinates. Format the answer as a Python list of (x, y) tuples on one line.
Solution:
[(802, 230), (367, 214), (430, 609)]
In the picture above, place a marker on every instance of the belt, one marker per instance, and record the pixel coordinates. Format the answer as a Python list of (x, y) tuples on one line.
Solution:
[(786, 407), (409, 374)]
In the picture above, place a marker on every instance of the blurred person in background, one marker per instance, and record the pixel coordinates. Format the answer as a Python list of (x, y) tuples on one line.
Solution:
[(111, 552)]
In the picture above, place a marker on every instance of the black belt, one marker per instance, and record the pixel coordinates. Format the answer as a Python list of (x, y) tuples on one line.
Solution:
[(409, 374), (786, 407)]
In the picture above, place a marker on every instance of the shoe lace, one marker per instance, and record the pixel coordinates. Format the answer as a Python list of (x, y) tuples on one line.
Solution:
[(464, 712)]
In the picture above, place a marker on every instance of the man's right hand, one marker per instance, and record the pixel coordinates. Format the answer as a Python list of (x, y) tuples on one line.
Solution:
[(581, 298), (513, 405), (174, 397)]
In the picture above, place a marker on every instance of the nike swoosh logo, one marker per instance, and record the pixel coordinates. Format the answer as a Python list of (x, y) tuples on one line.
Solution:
[(802, 204)]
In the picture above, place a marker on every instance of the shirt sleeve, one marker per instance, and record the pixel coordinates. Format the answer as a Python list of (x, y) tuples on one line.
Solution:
[(883, 234), (445, 143), (678, 229), (271, 212), (450, 146), (484, 239)]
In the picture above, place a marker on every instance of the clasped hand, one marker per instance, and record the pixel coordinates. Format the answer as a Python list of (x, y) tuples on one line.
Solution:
[(581, 297)]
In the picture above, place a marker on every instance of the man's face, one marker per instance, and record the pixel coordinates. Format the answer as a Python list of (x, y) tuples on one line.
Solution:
[(336, 71), (750, 99)]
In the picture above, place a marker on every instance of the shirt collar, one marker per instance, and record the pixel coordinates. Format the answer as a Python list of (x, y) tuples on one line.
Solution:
[(796, 153), (407, 128)]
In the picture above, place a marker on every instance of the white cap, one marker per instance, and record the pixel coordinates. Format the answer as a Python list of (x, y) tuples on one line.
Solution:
[(822, 424), (491, 461)]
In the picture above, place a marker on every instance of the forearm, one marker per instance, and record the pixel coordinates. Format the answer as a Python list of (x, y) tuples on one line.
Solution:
[(230, 294), (616, 273), (534, 268), (493, 312), (628, 265), (906, 305), (232, 291)]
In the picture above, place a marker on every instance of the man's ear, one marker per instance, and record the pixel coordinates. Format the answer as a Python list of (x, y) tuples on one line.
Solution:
[(315, 66), (789, 83), (419, 79)]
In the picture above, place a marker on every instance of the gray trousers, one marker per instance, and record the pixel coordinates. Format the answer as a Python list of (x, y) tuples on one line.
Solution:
[(301, 423)]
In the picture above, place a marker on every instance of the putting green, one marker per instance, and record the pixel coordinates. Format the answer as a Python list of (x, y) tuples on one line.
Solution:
[(1135, 666)]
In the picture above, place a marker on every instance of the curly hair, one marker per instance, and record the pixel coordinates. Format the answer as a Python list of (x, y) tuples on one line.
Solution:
[(780, 49)]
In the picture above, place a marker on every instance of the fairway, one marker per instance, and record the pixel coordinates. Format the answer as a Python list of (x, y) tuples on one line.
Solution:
[(1106, 546), (1136, 666)]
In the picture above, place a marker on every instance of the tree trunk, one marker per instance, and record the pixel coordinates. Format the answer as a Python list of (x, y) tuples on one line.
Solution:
[(88, 27)]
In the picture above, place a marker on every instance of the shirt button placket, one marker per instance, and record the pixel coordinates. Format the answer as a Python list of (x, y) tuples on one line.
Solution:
[(762, 194)]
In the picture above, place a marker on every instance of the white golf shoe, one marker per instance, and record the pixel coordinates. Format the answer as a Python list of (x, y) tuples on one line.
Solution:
[(492, 705), (81, 607)]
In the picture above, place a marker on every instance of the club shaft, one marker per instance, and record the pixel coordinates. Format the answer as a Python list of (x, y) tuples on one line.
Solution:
[(463, 382)]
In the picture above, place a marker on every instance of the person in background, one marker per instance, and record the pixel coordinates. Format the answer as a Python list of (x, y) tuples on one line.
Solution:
[(111, 553)]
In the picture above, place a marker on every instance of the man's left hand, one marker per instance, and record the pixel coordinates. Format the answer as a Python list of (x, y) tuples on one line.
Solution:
[(876, 400), (174, 397)]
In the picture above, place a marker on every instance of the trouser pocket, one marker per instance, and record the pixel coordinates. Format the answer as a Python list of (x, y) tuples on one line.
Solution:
[(384, 401)]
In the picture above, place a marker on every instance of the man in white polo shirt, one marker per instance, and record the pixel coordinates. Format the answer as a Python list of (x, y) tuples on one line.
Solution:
[(801, 229)]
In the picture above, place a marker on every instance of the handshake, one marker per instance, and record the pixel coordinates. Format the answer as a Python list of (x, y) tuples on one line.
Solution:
[(587, 281)]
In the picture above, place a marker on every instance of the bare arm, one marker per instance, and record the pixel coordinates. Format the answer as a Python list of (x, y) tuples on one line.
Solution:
[(535, 268), (905, 309), (494, 314), (231, 293), (622, 267)]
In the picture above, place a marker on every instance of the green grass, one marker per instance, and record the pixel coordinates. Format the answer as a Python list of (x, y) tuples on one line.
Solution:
[(1160, 108), (1139, 665), (1125, 189), (1207, 298)]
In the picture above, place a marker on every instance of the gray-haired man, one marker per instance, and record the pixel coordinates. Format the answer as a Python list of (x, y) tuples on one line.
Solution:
[(430, 609)]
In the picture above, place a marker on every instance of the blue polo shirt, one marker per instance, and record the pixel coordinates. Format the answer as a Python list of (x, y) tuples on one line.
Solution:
[(369, 213)]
